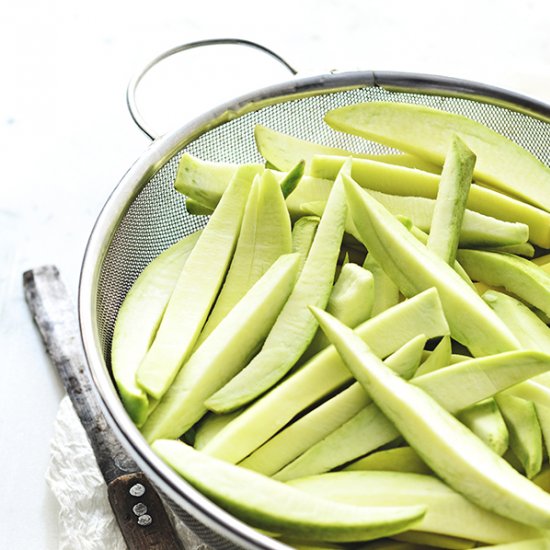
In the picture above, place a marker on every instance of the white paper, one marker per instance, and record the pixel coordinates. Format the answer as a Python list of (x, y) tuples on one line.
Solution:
[(86, 520)]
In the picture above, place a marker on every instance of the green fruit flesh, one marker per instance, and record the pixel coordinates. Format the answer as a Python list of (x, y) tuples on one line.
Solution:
[(295, 327), (427, 132), (414, 268), (448, 512), (195, 290), (274, 506), (323, 374), (223, 353), (138, 320), (456, 455)]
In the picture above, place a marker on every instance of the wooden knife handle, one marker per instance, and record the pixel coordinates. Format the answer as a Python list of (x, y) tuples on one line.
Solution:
[(141, 515)]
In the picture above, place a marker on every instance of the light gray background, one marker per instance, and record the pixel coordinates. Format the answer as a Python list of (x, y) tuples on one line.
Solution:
[(66, 139)]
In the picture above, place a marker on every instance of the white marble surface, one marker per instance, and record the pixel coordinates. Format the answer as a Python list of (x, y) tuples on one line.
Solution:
[(66, 139)]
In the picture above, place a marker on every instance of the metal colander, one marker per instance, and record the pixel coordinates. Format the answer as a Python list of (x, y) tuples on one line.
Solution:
[(145, 215)]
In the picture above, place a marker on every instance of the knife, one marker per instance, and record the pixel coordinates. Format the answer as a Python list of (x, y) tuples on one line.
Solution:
[(137, 507)]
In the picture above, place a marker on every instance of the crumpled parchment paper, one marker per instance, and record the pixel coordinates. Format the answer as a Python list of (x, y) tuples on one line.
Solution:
[(86, 520)]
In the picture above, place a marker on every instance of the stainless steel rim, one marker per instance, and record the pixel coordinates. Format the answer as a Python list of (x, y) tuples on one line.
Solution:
[(140, 173)]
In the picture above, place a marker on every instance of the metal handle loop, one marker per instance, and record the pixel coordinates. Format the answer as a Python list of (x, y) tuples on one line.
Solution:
[(134, 82)]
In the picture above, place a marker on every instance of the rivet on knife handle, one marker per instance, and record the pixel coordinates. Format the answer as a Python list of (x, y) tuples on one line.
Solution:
[(129, 490)]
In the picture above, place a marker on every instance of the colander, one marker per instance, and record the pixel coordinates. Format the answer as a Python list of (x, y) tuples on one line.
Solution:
[(145, 215)]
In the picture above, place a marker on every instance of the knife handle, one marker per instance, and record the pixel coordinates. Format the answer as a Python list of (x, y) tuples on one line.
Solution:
[(140, 514)]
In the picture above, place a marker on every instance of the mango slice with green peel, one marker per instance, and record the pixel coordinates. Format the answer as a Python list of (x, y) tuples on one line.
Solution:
[(448, 512), (413, 268), (138, 319), (323, 374), (265, 235), (403, 181), (283, 151), (525, 433), (295, 327), (455, 455), (227, 349), (196, 289), (399, 459), (386, 293), (196, 208), (274, 506), (455, 388), (292, 179), (350, 301), (527, 250), (450, 204), (485, 420), (517, 275), (543, 415), (427, 132), (301, 434), (438, 359)]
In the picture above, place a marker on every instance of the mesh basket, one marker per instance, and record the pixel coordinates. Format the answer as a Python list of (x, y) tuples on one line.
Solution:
[(145, 215)]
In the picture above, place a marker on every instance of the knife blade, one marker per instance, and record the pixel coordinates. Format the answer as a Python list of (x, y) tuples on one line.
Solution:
[(137, 507)]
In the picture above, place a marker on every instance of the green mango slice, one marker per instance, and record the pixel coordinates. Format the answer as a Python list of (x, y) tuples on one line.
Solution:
[(323, 374), (138, 319), (399, 459), (456, 455), (397, 180), (295, 327), (274, 506), (450, 204), (283, 151), (413, 268), (226, 350), (196, 289), (265, 235), (427, 132), (448, 512)]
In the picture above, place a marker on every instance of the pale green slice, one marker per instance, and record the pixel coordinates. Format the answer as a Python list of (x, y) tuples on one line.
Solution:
[(196, 289), (268, 504), (209, 426), (527, 250), (530, 544), (454, 387), (413, 268), (398, 180), (435, 540), (517, 275), (303, 233), (230, 345), (448, 512), (350, 301), (196, 208), (485, 420), (283, 151), (525, 432), (323, 374), (301, 434), (427, 132), (138, 319), (450, 204), (399, 459), (204, 181), (543, 415), (478, 230), (455, 455), (265, 235), (438, 359), (386, 293), (295, 326)]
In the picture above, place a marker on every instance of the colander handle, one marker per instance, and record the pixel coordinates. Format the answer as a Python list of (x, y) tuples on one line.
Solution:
[(134, 82)]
